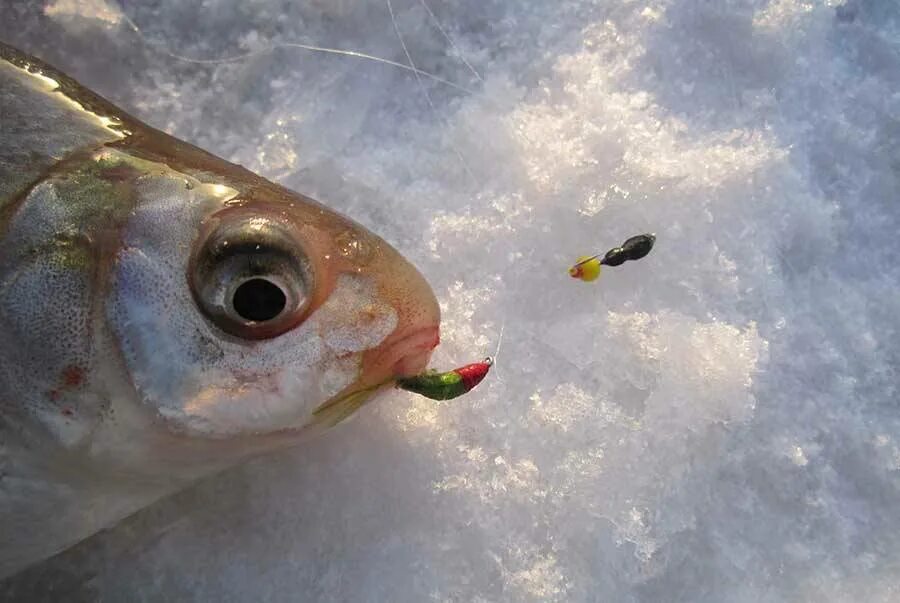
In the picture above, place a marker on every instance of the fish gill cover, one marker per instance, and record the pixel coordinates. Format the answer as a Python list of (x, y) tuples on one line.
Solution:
[(717, 422)]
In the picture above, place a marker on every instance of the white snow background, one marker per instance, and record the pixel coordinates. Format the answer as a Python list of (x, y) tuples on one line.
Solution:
[(717, 422)]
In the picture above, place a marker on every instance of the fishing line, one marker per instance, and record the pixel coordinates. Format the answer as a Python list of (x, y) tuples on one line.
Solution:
[(456, 49), (424, 90), (297, 45), (496, 355)]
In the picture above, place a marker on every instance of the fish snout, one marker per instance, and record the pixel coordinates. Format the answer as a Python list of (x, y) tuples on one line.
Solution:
[(408, 354), (408, 349)]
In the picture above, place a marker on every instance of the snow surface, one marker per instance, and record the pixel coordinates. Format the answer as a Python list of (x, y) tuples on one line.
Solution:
[(718, 422)]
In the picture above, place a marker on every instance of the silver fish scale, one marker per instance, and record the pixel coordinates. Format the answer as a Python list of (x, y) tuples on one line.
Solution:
[(49, 131)]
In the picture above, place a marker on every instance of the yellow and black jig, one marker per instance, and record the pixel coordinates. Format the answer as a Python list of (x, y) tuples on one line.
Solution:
[(587, 268)]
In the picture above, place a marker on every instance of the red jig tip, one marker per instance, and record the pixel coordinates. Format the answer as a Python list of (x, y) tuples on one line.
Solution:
[(473, 374)]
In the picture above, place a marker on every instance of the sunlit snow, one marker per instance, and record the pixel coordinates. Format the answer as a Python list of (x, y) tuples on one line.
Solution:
[(717, 422)]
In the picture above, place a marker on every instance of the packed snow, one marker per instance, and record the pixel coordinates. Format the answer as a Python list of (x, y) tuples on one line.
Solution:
[(716, 422)]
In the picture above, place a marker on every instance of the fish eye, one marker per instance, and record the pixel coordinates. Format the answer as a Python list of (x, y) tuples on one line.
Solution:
[(258, 300), (252, 278)]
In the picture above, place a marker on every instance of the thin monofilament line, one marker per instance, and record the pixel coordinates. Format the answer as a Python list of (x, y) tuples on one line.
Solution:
[(450, 41), (499, 340), (310, 47), (496, 355), (586, 260), (424, 90)]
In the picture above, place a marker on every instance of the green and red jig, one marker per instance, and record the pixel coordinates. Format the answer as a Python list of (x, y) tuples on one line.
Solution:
[(448, 385), (431, 384)]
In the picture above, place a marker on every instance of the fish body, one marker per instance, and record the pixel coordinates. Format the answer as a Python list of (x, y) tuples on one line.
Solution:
[(165, 314)]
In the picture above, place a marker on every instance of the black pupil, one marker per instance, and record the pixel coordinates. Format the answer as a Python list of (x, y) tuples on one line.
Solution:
[(258, 300)]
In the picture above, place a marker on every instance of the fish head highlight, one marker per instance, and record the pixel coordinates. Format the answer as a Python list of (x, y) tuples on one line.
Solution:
[(240, 308)]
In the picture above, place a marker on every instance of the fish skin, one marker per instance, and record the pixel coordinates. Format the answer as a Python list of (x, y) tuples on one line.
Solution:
[(115, 389)]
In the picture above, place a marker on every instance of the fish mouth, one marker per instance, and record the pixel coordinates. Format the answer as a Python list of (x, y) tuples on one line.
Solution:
[(408, 353)]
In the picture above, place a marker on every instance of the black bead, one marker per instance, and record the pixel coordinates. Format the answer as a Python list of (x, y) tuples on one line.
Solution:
[(633, 249), (614, 257), (639, 246)]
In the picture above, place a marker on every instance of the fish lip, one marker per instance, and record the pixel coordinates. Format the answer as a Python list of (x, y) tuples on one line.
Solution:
[(409, 354), (406, 355)]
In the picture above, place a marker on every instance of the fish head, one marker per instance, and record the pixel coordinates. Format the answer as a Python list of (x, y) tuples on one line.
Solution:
[(147, 283), (165, 314), (240, 307)]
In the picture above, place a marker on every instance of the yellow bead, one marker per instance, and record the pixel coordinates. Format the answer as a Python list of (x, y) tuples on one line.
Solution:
[(586, 268)]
